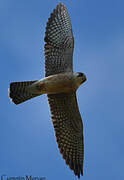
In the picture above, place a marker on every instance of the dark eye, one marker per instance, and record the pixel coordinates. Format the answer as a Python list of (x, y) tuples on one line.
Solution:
[(80, 74)]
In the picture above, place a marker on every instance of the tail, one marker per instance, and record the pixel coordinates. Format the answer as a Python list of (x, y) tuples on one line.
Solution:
[(20, 91)]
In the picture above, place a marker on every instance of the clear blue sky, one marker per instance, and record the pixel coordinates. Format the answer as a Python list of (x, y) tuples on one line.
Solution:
[(27, 141)]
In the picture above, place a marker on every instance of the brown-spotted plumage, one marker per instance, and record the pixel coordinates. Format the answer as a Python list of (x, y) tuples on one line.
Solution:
[(59, 42), (60, 85), (68, 128), (65, 115)]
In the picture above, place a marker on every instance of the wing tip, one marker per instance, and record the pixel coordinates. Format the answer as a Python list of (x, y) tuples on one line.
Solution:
[(77, 168), (60, 6)]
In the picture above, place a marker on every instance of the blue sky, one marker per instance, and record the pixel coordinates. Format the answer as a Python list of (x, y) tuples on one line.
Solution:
[(27, 141)]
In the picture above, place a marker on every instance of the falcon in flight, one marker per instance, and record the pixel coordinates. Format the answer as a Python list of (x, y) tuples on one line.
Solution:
[(60, 85)]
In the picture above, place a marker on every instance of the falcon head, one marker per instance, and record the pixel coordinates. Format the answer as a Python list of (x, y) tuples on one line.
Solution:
[(81, 78)]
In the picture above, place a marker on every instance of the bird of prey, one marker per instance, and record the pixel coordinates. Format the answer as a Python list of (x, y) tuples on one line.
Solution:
[(60, 84)]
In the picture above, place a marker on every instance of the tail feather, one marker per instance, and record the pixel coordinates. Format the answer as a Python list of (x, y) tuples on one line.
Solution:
[(19, 91)]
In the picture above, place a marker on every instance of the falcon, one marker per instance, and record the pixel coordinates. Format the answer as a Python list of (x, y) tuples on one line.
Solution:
[(60, 84)]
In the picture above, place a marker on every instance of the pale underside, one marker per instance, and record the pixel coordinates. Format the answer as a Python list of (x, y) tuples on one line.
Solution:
[(66, 118)]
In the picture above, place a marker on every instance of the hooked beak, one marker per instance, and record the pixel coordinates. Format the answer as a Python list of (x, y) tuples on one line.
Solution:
[(84, 78)]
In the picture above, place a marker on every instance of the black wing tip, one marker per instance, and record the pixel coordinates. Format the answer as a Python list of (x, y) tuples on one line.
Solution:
[(76, 168), (59, 8), (60, 4)]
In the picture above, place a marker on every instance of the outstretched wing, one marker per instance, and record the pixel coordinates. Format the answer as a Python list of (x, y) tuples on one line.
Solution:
[(68, 128), (59, 42)]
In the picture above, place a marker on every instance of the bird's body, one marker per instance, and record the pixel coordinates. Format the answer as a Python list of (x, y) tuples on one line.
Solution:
[(60, 84)]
